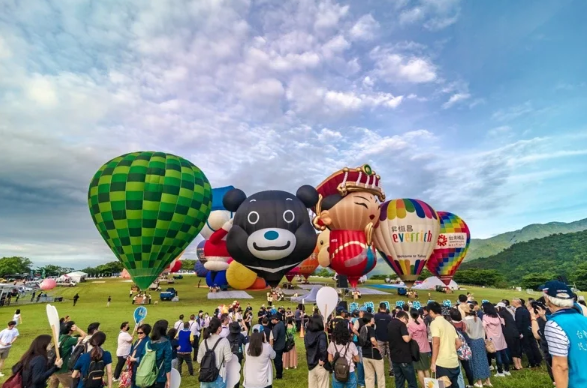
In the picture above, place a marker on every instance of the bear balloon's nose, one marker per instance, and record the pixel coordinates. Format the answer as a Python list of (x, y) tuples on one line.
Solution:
[(271, 235)]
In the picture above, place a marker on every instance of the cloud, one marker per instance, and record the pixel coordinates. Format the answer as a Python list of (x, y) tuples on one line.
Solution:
[(395, 67), (434, 15), (499, 131), (366, 28), (513, 112), (454, 99)]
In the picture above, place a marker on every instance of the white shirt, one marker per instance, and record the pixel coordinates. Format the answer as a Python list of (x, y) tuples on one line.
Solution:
[(195, 328), (178, 325), (16, 318), (124, 344), (7, 336), (224, 332), (258, 371)]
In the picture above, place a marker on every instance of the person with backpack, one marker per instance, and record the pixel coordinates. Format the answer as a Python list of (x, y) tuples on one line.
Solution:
[(185, 339), (33, 366), (278, 343), (258, 371), (343, 353), (67, 341), (137, 351), (316, 345), (461, 328), (237, 340), (419, 332), (89, 368), (290, 356), (213, 355), (372, 353), (154, 369)]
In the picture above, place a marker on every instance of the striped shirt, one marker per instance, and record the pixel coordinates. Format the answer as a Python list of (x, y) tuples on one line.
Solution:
[(557, 339)]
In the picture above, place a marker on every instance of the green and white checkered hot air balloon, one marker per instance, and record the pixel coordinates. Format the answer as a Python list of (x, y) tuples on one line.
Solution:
[(148, 207)]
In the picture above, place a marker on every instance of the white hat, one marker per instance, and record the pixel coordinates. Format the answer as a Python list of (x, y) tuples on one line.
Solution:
[(501, 304)]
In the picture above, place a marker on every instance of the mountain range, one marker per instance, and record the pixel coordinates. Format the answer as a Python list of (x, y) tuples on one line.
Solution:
[(481, 248), (496, 244)]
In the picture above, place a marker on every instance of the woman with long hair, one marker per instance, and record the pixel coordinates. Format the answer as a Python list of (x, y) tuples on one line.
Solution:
[(161, 344), (492, 323), (290, 358), (222, 352), (316, 353), (419, 332), (511, 334), (83, 366), (478, 361), (342, 344), (459, 324), (137, 351), (258, 370), (33, 363)]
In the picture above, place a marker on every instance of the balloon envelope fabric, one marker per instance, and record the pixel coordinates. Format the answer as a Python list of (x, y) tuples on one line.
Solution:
[(451, 247), (148, 207), (406, 234)]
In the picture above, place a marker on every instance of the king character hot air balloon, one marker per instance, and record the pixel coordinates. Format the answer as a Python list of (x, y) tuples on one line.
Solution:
[(148, 207), (406, 236), (271, 231), (451, 247), (349, 208)]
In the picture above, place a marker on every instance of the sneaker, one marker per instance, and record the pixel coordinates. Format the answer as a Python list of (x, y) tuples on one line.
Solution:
[(478, 385), (115, 380), (499, 374), (507, 373)]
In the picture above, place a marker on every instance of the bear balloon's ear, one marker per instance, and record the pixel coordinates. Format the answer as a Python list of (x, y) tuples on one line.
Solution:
[(233, 199), (308, 195)]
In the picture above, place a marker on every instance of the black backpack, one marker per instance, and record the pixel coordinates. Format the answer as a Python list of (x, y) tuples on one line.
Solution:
[(236, 344), (341, 366), (414, 350), (363, 336), (76, 353), (208, 370), (95, 377)]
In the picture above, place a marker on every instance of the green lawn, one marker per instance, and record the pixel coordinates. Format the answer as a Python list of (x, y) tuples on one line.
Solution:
[(91, 307)]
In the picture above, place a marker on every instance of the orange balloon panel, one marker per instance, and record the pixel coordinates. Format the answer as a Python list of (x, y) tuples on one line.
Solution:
[(260, 284), (308, 266)]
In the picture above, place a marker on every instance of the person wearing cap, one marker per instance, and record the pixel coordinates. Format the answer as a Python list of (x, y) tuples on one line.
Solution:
[(278, 343), (566, 334)]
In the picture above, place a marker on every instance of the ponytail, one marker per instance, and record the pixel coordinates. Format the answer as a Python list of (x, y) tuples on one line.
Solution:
[(212, 328), (415, 314), (97, 341)]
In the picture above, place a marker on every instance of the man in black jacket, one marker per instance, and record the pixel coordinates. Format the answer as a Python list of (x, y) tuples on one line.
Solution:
[(382, 320), (278, 343), (524, 326)]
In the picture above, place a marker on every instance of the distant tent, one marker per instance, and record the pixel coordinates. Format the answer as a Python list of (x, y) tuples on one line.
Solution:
[(431, 283), (308, 298), (77, 276)]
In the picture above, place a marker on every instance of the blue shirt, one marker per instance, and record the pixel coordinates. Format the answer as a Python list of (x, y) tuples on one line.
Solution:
[(83, 364)]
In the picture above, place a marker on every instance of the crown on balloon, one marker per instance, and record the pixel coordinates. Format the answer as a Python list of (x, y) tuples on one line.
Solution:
[(348, 180)]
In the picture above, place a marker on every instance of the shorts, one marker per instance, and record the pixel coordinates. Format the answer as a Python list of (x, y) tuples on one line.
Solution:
[(4, 353)]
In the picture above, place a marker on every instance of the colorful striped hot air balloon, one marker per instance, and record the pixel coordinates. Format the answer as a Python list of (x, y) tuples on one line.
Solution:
[(406, 236), (451, 247), (148, 207)]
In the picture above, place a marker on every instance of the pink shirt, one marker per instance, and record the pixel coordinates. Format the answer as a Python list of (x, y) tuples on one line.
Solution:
[(420, 335), (494, 332)]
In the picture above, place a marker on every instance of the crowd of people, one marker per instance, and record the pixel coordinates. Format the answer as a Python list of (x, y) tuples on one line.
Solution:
[(466, 345)]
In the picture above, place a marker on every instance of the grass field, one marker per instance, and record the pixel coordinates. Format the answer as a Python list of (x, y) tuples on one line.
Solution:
[(91, 307)]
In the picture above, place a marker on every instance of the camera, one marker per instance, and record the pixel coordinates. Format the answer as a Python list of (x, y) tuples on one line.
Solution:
[(536, 305)]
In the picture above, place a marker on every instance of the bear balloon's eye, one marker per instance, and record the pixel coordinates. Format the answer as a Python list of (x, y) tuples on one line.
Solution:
[(253, 218), (289, 216)]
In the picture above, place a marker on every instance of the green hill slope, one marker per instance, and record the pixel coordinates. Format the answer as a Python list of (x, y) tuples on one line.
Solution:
[(557, 255), (492, 246)]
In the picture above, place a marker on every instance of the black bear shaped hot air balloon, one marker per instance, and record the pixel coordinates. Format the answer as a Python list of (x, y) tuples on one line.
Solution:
[(271, 231)]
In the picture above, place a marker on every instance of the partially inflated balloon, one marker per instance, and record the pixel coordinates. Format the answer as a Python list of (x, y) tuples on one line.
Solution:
[(200, 252), (406, 236), (201, 272), (308, 266), (148, 207), (451, 247), (240, 277)]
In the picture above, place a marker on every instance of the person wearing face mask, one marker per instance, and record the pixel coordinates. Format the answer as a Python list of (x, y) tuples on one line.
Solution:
[(34, 363), (137, 351)]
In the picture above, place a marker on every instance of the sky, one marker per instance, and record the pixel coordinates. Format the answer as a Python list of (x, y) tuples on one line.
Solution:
[(478, 108)]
